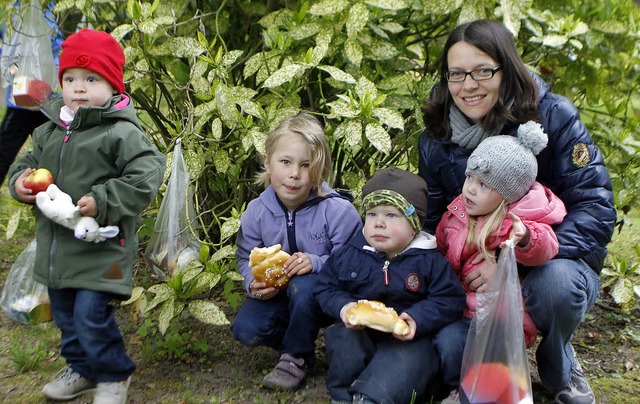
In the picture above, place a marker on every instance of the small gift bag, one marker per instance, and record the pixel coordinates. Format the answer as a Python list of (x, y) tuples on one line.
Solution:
[(495, 368)]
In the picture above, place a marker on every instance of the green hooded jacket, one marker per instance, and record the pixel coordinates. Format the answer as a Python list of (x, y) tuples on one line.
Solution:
[(103, 153)]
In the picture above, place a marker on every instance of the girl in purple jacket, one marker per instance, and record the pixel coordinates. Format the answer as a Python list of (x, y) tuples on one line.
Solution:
[(310, 220)]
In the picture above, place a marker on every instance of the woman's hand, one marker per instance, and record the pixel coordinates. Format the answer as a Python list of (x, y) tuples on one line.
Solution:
[(477, 279), (298, 264), (260, 291)]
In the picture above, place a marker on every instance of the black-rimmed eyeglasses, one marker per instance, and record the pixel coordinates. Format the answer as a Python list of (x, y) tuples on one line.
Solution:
[(484, 73)]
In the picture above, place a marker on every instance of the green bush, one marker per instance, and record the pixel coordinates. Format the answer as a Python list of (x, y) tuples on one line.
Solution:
[(221, 75)]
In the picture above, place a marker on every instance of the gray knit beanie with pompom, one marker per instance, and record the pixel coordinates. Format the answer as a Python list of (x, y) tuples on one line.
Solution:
[(508, 163)]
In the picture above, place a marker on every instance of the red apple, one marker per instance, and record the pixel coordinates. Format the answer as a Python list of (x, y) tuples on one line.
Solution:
[(39, 180)]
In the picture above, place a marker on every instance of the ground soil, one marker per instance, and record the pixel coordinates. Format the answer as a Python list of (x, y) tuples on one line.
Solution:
[(607, 344)]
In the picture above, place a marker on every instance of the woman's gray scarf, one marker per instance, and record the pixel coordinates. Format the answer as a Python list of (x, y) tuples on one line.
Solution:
[(465, 134)]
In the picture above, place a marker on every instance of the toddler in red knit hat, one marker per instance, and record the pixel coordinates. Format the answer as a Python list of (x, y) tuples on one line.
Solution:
[(99, 155)]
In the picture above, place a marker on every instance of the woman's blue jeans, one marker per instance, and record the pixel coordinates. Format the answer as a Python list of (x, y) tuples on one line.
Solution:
[(557, 295), (91, 341)]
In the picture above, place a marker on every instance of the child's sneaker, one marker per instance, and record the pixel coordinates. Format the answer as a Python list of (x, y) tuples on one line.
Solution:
[(112, 392), (67, 384), (288, 374)]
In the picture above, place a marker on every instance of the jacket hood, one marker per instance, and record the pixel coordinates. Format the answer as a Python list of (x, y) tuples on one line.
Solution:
[(270, 199), (118, 108), (533, 207)]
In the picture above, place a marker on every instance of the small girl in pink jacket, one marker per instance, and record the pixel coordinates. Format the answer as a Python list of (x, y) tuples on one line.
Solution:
[(501, 200)]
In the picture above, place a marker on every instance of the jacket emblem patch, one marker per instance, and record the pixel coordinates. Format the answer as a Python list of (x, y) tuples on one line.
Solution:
[(114, 272), (580, 155), (413, 282)]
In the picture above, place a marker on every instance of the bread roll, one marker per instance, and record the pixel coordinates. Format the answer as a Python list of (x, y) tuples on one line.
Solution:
[(376, 315), (267, 265)]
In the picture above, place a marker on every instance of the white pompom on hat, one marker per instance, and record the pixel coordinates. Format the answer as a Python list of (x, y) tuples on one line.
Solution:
[(508, 163)]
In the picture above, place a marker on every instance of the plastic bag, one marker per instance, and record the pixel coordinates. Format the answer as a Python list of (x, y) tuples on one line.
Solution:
[(495, 368), (174, 242), (23, 299), (28, 62)]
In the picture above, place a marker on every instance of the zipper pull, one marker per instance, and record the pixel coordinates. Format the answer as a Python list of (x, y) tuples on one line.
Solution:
[(385, 270), (290, 222), (67, 136)]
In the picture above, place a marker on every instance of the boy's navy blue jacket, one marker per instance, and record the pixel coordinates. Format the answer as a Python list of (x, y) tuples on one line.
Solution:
[(421, 282)]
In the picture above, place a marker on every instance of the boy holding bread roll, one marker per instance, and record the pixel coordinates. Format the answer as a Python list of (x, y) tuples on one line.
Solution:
[(390, 290), (286, 235)]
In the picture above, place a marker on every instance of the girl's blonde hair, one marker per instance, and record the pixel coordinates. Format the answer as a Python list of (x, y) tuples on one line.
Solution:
[(478, 236), (312, 131)]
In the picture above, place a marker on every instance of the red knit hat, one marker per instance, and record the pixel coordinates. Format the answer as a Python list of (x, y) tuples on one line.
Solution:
[(94, 50)]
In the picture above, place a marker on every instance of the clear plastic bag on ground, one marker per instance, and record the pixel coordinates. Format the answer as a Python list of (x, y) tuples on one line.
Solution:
[(23, 299), (174, 242), (495, 368)]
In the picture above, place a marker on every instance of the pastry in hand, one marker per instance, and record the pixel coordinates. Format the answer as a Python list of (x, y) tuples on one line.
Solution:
[(267, 265), (376, 315)]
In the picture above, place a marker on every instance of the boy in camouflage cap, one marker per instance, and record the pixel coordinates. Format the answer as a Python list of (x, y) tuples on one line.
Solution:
[(394, 262)]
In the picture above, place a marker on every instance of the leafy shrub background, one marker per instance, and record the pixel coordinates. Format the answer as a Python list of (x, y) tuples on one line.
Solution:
[(222, 74)]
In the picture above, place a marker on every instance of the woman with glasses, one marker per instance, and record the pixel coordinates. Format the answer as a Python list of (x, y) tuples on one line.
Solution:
[(485, 90)]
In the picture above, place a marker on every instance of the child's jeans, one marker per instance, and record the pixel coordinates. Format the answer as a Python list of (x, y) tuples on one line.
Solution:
[(377, 365), (289, 322), (91, 341)]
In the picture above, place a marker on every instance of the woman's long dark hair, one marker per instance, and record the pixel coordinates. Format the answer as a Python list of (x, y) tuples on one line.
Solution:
[(518, 87)]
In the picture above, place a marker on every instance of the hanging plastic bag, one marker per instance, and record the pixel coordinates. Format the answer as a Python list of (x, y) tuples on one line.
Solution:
[(174, 242), (23, 299), (495, 368), (28, 62)]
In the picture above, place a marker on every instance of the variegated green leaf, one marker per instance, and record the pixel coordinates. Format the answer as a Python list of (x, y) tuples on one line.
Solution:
[(378, 137), (357, 19), (249, 107), (231, 57), (623, 294), (353, 51), (221, 160), (388, 4), (13, 223), (206, 281), (121, 31), (147, 26), (229, 227), (351, 131), (338, 74), (392, 26), (181, 47), (283, 75), (226, 251), (216, 129), (328, 7), (366, 89), (226, 105), (191, 271), (323, 39), (301, 32), (342, 109), (554, 41), (162, 293), (389, 117), (381, 50), (207, 312), (256, 139), (234, 276), (167, 312), (136, 292)]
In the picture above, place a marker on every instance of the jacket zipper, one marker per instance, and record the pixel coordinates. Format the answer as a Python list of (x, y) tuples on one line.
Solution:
[(54, 240), (385, 271)]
